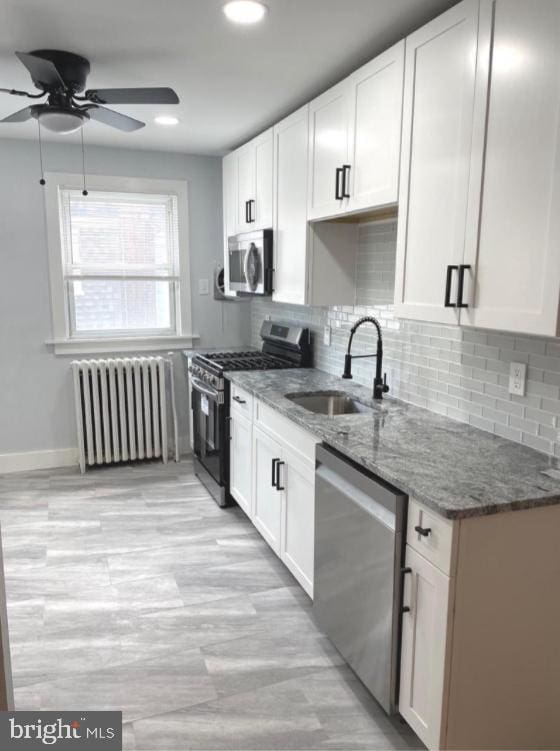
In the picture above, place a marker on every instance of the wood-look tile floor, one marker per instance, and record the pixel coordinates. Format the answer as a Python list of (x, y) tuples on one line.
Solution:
[(129, 589)]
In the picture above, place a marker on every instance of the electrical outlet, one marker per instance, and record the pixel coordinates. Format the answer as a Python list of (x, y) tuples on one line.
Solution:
[(267, 317), (517, 378), (327, 336), (203, 287)]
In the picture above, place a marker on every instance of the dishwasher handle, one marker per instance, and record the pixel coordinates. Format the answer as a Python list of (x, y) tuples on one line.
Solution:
[(355, 495)]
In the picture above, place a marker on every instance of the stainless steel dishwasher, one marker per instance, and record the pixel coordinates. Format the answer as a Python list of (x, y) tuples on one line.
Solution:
[(360, 524)]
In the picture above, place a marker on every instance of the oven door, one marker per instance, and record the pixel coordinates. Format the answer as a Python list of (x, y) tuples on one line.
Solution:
[(208, 428)]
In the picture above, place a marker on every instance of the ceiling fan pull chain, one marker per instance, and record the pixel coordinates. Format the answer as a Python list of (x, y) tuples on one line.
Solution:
[(84, 191), (42, 180)]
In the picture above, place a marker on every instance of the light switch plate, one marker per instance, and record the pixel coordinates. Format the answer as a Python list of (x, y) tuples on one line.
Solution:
[(203, 287), (327, 336), (517, 378)]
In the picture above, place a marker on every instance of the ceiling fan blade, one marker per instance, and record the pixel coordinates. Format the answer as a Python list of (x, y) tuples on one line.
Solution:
[(114, 119), (162, 95), (19, 117), (43, 72)]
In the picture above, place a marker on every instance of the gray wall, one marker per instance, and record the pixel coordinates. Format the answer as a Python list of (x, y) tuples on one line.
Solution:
[(458, 372), (36, 408)]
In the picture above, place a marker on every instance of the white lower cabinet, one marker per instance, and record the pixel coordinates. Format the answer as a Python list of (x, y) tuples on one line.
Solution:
[(240, 452), (298, 529), (267, 516), (424, 636), (272, 477)]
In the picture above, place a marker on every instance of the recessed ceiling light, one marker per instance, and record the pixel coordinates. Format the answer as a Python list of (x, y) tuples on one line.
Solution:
[(166, 120), (245, 11)]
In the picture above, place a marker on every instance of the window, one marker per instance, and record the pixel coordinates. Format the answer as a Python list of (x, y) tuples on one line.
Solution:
[(121, 271)]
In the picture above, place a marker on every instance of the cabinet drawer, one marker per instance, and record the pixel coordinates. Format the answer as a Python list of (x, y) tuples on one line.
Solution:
[(241, 401), (437, 543), (299, 441)]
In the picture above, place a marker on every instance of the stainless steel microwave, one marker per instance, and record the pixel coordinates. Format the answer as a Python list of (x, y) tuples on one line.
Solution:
[(250, 262)]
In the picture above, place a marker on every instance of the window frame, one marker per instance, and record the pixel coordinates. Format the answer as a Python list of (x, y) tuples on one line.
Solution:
[(63, 340)]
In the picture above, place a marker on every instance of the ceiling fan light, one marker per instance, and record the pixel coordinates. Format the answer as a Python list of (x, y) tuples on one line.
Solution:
[(61, 121), (245, 11)]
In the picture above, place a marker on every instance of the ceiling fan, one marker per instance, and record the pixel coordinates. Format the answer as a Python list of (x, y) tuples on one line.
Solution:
[(60, 76)]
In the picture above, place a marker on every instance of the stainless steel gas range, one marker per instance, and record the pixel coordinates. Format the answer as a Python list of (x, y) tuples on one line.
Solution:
[(283, 346)]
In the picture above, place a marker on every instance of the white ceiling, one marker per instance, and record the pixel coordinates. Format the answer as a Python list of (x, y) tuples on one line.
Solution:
[(232, 81)]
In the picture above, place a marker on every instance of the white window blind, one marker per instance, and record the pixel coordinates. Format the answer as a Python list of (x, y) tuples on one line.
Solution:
[(120, 258)]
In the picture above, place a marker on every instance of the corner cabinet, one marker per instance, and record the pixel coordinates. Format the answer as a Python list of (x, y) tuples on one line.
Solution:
[(354, 139), (479, 197), (272, 477)]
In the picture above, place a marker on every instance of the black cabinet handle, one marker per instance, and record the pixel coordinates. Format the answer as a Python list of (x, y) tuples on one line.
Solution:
[(337, 192), (405, 609), (424, 531), (345, 175), (278, 465), (274, 480), (251, 217), (447, 302), (246, 212), (239, 400), (464, 267)]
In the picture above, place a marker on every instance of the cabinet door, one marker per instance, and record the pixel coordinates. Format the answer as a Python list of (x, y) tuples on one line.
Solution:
[(241, 461), (298, 534), (246, 185), (518, 260), (424, 635), (267, 500), (328, 147), (375, 134), (435, 205), (290, 208), (229, 179), (261, 210)]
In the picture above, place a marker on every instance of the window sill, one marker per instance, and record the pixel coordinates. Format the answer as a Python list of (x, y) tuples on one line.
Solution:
[(121, 344)]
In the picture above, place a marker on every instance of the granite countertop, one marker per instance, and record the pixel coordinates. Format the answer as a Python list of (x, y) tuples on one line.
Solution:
[(453, 468)]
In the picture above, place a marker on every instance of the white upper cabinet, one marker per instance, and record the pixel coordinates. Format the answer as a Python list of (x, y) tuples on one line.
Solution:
[(517, 261), (376, 96), (229, 182), (254, 184), (436, 202), (290, 208), (354, 139), (329, 133)]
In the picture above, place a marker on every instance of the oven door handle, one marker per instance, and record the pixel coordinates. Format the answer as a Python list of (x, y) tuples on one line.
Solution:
[(208, 391)]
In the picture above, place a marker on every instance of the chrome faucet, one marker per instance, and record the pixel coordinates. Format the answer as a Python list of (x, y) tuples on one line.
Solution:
[(379, 384)]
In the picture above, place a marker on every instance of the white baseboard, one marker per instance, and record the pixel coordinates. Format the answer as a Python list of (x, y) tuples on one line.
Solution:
[(30, 460)]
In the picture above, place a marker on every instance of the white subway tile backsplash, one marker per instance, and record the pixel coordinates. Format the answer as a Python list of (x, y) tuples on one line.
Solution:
[(459, 372)]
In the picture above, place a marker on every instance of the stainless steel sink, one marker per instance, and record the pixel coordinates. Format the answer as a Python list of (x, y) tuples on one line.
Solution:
[(330, 403)]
